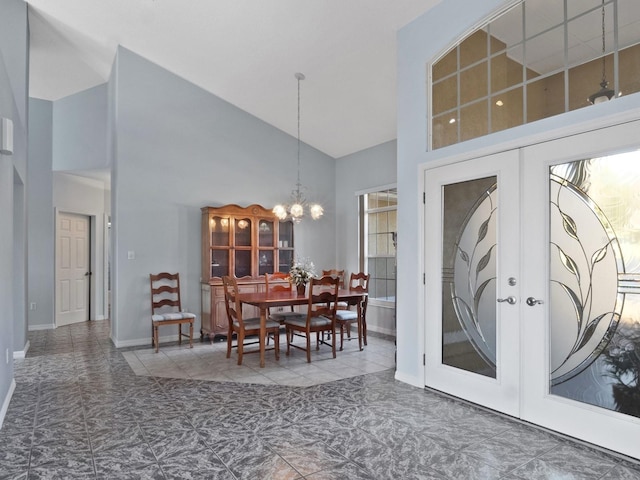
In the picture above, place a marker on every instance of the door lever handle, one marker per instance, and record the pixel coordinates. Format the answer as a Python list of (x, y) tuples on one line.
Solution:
[(511, 300), (532, 301)]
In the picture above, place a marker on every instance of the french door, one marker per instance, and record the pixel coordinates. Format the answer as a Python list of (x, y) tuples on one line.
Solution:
[(472, 230), (533, 284)]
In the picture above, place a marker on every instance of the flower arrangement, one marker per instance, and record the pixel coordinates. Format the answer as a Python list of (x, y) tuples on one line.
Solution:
[(302, 271)]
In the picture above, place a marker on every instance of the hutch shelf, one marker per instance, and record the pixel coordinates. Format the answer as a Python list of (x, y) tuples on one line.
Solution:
[(243, 242)]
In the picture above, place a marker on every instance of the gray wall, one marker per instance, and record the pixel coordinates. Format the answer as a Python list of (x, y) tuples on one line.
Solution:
[(40, 248), (80, 131), (177, 149), (13, 105), (365, 170), (52, 191)]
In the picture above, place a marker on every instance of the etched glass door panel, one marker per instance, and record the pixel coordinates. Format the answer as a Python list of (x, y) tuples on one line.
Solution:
[(469, 275), (472, 291), (581, 269), (594, 303)]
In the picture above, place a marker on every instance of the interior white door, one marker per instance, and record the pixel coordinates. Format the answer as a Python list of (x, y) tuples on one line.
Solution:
[(581, 243), (472, 303), (72, 268)]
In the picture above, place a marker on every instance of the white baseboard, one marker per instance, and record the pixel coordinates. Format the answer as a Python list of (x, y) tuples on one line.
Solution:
[(101, 317), (383, 331), (147, 341), (7, 399), (416, 382), (50, 326), (22, 353)]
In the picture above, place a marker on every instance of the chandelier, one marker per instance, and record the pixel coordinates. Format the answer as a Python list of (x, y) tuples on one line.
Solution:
[(298, 205), (605, 93)]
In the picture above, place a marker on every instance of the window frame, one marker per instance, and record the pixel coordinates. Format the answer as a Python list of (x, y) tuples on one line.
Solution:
[(363, 236)]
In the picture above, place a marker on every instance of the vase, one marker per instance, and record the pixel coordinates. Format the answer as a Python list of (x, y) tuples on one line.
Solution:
[(301, 288)]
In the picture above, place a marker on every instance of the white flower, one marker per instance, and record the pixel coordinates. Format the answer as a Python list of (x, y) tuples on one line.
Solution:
[(302, 271)]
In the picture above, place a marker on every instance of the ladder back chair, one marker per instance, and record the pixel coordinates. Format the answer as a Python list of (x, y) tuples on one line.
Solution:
[(358, 283), (340, 274), (320, 317), (244, 327), (166, 307), (283, 285)]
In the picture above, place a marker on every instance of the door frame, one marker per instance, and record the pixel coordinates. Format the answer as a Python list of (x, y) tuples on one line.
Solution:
[(608, 119)]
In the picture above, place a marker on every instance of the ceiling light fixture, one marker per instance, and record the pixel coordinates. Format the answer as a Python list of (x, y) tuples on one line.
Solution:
[(295, 210), (605, 93)]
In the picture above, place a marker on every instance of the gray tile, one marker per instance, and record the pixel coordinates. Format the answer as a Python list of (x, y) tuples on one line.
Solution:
[(80, 411)]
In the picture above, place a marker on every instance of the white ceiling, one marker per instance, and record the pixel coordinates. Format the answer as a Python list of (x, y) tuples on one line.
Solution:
[(244, 51)]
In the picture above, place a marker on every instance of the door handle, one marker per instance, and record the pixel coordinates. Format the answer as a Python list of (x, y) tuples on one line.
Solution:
[(511, 300), (532, 301)]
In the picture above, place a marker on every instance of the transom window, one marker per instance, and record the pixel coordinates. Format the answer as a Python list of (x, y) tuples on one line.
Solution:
[(538, 59)]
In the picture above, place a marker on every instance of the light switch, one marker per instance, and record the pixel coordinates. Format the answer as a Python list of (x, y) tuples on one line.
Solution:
[(131, 255)]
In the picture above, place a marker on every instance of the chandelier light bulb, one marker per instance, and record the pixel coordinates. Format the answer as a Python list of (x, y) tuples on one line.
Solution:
[(316, 211), (296, 210), (280, 211)]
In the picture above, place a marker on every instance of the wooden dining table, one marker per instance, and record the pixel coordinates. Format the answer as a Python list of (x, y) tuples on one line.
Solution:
[(266, 300)]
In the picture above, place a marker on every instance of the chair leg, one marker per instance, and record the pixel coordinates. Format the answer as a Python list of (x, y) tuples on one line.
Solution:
[(309, 347), (179, 334), (364, 330), (240, 346), (229, 342), (155, 337), (190, 334), (341, 336), (276, 344), (286, 334), (333, 341)]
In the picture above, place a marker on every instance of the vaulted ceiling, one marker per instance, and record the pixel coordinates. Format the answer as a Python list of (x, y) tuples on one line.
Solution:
[(245, 52)]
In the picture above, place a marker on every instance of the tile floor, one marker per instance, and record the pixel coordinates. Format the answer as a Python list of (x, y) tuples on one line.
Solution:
[(84, 409)]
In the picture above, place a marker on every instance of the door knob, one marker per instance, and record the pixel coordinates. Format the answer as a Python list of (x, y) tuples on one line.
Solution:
[(532, 301), (511, 300)]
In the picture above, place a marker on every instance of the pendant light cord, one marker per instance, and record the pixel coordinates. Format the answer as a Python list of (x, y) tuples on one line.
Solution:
[(299, 76), (604, 73)]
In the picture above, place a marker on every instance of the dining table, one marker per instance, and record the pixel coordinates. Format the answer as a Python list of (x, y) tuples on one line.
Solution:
[(265, 300)]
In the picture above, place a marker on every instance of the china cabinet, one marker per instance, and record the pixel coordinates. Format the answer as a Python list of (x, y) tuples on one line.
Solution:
[(245, 242)]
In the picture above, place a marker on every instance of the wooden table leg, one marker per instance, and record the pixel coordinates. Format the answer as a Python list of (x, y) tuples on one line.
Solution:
[(263, 333), (359, 308)]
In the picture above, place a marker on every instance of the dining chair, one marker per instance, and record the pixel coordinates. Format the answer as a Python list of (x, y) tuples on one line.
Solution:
[(320, 317), (244, 327), (333, 272), (166, 307), (280, 282), (358, 283), (340, 274)]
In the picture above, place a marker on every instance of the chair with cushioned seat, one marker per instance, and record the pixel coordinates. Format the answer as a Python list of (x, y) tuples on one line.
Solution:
[(166, 307), (340, 275), (244, 327), (280, 282), (320, 317), (358, 283)]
